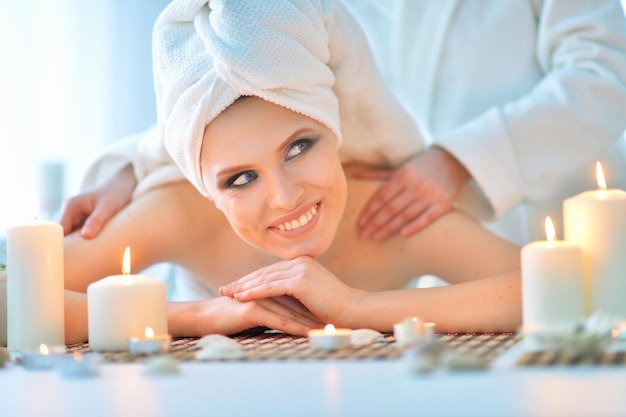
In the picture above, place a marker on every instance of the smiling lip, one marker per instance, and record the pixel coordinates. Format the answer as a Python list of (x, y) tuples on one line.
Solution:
[(300, 223)]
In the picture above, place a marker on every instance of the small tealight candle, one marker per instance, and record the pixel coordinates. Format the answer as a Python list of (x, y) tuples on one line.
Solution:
[(43, 358), (412, 331), (330, 338), (77, 365), (150, 344)]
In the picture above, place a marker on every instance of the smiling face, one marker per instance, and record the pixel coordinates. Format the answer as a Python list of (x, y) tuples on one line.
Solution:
[(277, 177)]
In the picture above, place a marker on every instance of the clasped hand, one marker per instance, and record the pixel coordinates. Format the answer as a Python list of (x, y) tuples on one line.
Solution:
[(304, 279)]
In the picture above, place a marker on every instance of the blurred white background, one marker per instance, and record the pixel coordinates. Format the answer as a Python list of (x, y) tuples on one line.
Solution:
[(75, 76)]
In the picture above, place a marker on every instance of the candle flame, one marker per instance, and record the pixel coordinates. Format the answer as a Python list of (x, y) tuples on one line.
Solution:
[(600, 176), (126, 261), (149, 333), (43, 349), (329, 328), (550, 233)]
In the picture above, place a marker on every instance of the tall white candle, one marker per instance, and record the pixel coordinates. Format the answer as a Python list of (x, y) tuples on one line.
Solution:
[(552, 281), (122, 306), (35, 299), (596, 221)]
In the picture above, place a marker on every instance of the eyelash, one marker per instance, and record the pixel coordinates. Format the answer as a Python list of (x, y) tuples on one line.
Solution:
[(304, 145)]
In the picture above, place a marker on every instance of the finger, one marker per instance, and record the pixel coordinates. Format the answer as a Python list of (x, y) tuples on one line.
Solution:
[(379, 200), (94, 223), (424, 219), (279, 270), (71, 219), (391, 217), (374, 174), (295, 305), (267, 290), (277, 317), (277, 308), (408, 214)]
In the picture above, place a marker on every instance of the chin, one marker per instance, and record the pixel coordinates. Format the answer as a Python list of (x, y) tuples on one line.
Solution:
[(293, 251)]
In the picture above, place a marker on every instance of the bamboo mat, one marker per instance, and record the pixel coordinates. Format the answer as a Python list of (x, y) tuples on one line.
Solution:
[(557, 359), (274, 346)]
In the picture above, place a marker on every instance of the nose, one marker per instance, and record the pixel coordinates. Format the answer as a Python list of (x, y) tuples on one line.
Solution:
[(283, 191)]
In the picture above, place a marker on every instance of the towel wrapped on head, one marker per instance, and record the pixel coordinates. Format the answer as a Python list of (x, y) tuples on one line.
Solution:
[(309, 56)]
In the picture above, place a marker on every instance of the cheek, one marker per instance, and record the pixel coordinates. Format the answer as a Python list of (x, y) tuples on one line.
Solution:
[(241, 215)]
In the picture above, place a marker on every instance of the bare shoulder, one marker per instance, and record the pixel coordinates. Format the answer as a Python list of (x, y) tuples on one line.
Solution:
[(455, 247)]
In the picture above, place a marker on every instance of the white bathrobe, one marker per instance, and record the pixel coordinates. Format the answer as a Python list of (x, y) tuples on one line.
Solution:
[(309, 56), (527, 94)]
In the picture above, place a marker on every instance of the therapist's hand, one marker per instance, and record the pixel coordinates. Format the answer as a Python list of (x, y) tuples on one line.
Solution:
[(414, 195), (90, 210)]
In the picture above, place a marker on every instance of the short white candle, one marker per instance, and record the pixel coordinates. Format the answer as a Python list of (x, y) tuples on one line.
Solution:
[(150, 344), (552, 281), (43, 357), (596, 221), (78, 365), (412, 331), (35, 297), (330, 338), (122, 306)]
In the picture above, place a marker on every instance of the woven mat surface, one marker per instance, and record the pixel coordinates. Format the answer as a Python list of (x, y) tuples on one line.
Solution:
[(272, 346), (555, 359)]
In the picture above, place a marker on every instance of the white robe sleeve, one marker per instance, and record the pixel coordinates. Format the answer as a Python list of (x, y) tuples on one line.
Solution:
[(524, 150), (145, 151)]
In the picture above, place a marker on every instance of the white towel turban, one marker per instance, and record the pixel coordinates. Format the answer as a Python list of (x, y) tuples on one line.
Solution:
[(309, 56)]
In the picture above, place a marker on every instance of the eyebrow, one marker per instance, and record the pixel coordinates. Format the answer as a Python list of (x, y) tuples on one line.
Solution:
[(228, 171)]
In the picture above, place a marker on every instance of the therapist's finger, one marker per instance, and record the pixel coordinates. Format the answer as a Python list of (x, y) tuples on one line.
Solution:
[(432, 213), (393, 215), (378, 206), (374, 174)]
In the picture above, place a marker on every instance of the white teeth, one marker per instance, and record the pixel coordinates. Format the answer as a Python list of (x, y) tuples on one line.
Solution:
[(303, 220)]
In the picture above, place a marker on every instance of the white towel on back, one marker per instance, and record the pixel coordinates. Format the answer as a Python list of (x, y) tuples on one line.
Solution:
[(309, 56)]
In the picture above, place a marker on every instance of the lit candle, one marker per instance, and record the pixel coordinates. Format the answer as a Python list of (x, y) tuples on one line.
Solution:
[(149, 344), (122, 306), (330, 338), (78, 365), (35, 299), (596, 221), (41, 358), (412, 331), (552, 281)]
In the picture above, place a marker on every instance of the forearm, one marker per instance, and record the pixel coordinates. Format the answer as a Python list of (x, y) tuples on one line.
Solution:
[(486, 305)]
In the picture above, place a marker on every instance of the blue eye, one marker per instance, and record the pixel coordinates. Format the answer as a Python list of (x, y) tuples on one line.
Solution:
[(242, 179), (299, 147)]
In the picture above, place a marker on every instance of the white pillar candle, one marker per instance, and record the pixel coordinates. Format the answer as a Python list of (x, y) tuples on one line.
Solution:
[(552, 281), (35, 298), (596, 221), (122, 306)]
